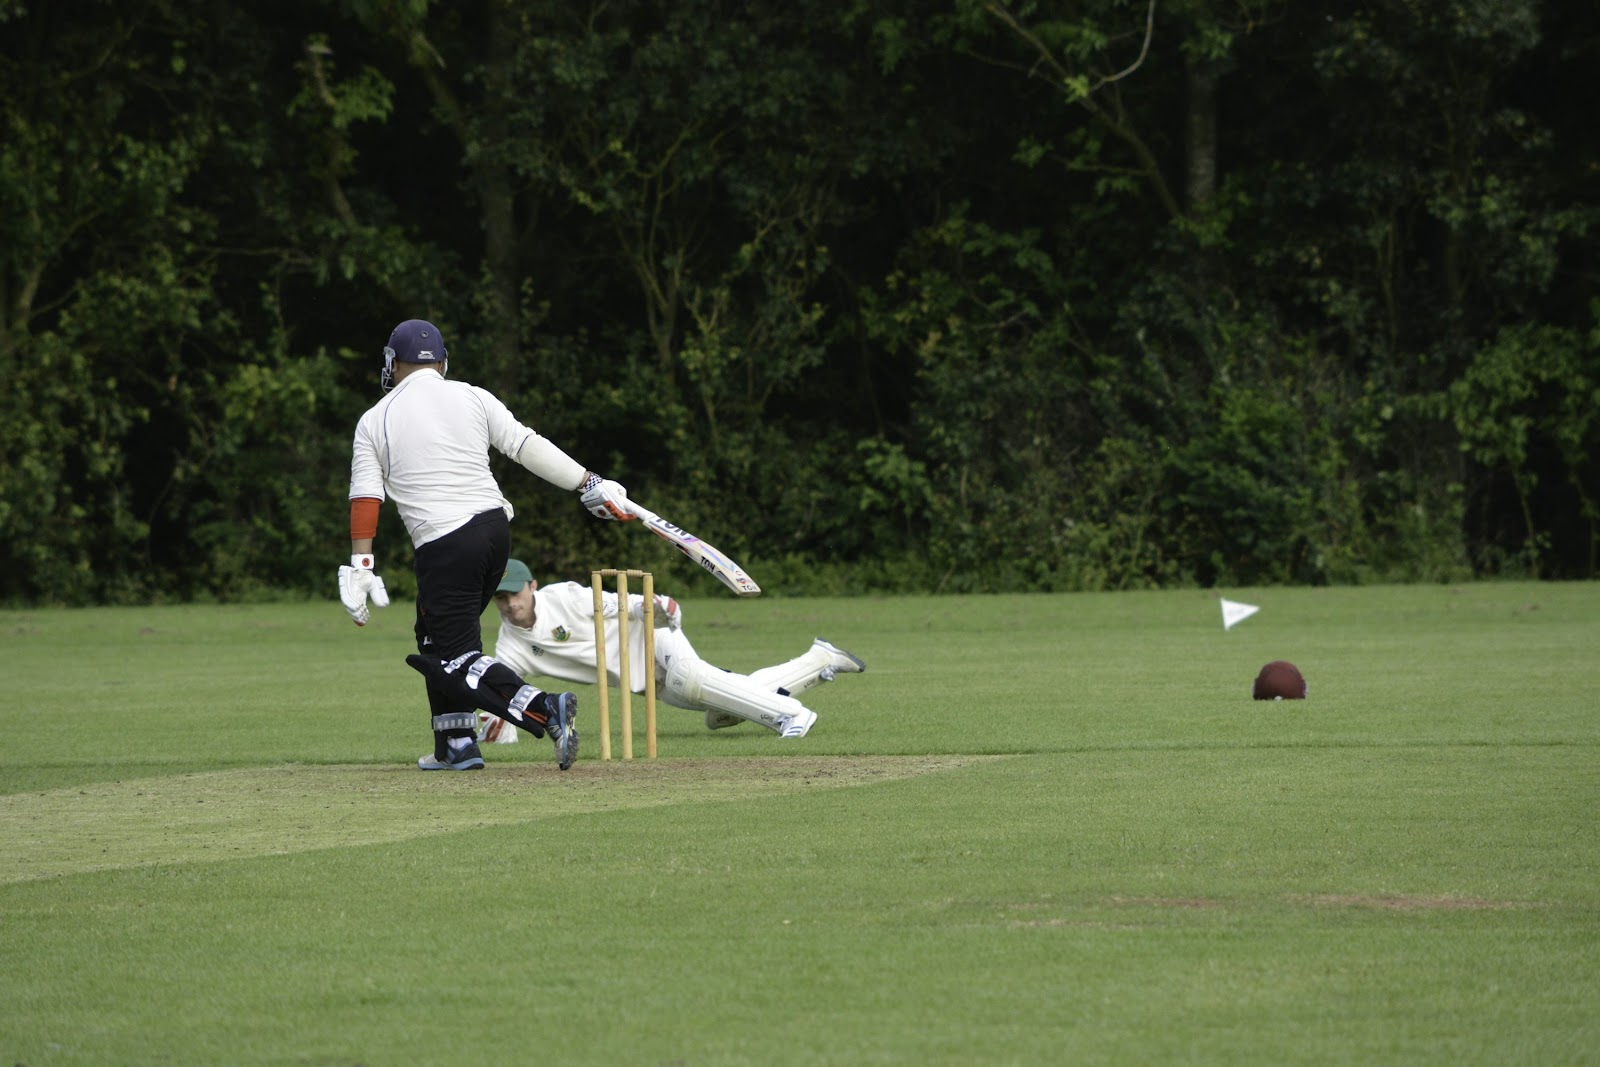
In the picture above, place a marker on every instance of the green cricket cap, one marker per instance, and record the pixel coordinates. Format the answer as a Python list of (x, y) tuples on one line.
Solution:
[(517, 575)]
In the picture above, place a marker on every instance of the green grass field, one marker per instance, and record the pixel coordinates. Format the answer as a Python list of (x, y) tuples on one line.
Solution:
[(1039, 829)]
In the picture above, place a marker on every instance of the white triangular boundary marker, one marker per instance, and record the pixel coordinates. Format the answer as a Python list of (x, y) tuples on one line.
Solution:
[(1235, 612)]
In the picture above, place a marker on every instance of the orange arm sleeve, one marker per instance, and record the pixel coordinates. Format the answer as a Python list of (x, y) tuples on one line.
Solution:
[(363, 518)]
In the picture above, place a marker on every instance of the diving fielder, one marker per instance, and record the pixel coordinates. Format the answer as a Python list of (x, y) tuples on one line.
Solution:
[(549, 631)]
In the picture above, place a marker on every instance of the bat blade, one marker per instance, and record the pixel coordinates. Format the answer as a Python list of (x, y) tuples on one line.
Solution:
[(717, 563)]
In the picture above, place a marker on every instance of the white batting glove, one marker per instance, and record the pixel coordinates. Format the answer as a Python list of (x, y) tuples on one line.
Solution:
[(356, 584), (605, 498)]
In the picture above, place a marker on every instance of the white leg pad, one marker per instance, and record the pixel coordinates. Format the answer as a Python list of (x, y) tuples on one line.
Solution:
[(797, 675), (694, 683)]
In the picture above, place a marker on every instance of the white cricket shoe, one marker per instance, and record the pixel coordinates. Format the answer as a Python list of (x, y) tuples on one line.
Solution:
[(797, 724), (721, 720), (840, 661)]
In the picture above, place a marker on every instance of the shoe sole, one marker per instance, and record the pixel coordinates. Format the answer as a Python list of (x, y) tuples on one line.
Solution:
[(860, 665), (567, 743), (474, 764)]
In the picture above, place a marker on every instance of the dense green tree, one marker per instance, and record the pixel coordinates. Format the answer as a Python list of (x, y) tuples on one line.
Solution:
[(109, 279), (988, 294)]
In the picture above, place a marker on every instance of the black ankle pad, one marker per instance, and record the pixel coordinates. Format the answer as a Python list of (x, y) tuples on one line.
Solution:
[(524, 697), (456, 720)]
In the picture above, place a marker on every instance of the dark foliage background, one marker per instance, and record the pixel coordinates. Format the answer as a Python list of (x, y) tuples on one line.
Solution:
[(875, 295)]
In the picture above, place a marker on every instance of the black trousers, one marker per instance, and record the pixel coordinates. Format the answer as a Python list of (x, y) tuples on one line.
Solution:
[(456, 578)]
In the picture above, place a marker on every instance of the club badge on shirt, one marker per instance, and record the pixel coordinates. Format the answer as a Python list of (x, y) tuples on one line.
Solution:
[(561, 633)]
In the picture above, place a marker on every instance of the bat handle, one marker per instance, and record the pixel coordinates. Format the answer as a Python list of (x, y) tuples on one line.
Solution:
[(639, 511)]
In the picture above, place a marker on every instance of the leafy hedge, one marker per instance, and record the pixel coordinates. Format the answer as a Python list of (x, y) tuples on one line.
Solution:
[(977, 296)]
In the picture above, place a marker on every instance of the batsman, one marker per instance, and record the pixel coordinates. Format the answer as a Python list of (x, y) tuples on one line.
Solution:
[(425, 446)]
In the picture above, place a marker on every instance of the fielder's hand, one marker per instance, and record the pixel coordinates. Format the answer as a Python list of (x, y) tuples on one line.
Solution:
[(604, 498), (356, 584), (666, 608)]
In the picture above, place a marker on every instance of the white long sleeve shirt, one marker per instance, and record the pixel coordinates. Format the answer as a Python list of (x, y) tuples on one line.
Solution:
[(425, 446), (560, 643)]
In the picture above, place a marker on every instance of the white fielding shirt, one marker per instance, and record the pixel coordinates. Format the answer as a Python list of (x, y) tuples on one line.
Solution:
[(560, 643), (425, 446)]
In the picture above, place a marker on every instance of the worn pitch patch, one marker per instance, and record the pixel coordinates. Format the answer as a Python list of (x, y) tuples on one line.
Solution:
[(223, 815)]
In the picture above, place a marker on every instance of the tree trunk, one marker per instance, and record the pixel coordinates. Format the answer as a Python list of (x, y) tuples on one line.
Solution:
[(1200, 132)]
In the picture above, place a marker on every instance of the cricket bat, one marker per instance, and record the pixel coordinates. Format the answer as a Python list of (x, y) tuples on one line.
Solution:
[(712, 559)]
